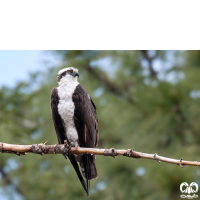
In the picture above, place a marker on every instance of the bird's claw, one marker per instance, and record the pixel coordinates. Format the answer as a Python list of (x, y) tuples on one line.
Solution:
[(71, 145)]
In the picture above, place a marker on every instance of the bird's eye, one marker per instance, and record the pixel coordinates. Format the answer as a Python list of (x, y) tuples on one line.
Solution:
[(69, 71)]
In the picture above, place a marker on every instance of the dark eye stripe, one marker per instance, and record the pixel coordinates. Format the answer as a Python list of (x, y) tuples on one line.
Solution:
[(64, 73)]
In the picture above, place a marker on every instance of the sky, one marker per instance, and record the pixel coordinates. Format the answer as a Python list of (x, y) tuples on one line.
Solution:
[(16, 65)]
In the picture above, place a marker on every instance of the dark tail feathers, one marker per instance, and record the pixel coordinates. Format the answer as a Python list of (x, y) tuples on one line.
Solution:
[(75, 165), (88, 166)]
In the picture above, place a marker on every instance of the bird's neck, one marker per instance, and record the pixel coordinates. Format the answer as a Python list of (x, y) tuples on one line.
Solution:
[(68, 81)]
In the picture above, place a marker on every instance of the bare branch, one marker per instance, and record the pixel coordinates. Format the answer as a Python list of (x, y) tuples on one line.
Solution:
[(149, 60), (64, 149), (110, 86)]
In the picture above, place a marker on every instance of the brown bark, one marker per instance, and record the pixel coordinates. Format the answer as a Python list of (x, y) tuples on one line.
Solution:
[(64, 149)]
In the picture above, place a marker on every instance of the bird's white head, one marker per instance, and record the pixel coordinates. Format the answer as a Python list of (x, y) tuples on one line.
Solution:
[(68, 74)]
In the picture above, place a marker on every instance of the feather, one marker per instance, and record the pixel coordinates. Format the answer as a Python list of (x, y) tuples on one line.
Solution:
[(86, 123), (60, 131)]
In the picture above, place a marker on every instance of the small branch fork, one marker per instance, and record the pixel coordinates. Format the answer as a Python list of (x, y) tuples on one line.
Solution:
[(64, 149)]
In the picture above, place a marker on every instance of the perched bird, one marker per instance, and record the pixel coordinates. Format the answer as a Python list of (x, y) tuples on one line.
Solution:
[(75, 120)]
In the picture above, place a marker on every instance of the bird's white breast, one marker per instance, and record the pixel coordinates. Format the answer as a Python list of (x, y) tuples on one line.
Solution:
[(66, 88)]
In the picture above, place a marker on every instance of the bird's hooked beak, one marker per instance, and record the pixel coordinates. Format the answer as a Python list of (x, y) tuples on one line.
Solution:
[(74, 74)]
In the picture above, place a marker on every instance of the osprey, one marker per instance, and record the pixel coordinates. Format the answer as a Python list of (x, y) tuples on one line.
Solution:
[(75, 120)]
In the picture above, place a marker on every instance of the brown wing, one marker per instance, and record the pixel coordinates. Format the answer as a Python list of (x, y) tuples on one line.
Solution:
[(59, 128), (60, 131), (85, 118), (86, 123)]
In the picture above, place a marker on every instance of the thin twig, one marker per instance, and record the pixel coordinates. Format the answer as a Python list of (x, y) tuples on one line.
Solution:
[(64, 149)]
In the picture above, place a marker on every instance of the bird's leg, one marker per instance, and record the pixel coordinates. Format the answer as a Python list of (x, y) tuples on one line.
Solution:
[(76, 145), (73, 144)]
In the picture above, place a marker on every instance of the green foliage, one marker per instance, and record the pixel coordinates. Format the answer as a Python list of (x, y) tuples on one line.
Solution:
[(143, 112)]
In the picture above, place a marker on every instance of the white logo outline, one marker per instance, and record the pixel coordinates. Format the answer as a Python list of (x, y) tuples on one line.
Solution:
[(189, 189)]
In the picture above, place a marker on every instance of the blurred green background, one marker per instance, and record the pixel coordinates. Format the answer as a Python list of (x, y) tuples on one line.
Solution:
[(146, 100)]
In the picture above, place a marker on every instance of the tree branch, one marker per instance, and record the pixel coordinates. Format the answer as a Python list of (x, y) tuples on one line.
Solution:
[(9, 181), (149, 60), (110, 86), (64, 149)]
